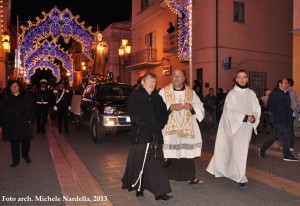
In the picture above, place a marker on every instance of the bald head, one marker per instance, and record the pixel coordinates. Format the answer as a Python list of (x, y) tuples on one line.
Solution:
[(177, 71), (178, 79)]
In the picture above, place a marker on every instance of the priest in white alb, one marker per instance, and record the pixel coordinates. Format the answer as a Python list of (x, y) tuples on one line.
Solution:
[(182, 137), (240, 117)]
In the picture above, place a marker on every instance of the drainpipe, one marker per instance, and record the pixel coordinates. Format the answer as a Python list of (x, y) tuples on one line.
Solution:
[(217, 44), (191, 49)]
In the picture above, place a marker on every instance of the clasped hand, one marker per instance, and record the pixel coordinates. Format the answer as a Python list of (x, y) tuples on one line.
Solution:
[(251, 118), (178, 107)]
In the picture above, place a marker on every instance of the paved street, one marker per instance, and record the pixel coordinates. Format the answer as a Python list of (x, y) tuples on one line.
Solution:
[(69, 169)]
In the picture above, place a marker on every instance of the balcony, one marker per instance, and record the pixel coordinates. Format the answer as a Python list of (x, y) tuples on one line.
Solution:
[(143, 58), (170, 43)]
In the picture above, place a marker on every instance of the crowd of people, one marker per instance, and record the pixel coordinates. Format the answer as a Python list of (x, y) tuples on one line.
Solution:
[(166, 138), (165, 127), (21, 108)]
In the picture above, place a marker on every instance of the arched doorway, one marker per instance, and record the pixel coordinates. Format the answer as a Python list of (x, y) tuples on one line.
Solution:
[(43, 74)]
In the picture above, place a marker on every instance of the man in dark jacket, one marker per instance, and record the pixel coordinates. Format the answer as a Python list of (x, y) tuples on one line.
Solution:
[(279, 105), (210, 109), (42, 98), (16, 117), (62, 104), (145, 164)]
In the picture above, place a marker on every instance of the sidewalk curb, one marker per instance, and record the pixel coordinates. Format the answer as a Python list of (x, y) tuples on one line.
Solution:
[(74, 178)]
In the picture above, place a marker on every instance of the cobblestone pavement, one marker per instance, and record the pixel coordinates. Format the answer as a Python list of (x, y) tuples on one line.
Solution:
[(71, 165)]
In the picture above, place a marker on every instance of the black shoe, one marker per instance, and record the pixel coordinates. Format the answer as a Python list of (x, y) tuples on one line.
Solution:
[(163, 197), (139, 193), (38, 131), (27, 160), (44, 131), (67, 131), (290, 158), (261, 153), (14, 164), (59, 131), (243, 185)]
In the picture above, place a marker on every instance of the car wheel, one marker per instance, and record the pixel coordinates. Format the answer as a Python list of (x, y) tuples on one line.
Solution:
[(98, 132)]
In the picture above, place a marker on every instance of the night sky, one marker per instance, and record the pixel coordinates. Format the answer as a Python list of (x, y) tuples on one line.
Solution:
[(103, 13)]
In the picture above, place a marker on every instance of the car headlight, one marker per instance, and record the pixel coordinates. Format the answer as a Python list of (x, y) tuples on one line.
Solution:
[(109, 110)]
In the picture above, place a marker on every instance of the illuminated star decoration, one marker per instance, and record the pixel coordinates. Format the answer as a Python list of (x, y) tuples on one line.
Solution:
[(48, 50), (184, 10)]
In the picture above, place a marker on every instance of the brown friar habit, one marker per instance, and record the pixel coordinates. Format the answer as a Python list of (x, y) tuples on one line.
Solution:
[(145, 164)]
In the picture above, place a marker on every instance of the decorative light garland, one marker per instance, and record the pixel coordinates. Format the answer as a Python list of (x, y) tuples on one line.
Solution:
[(56, 24), (48, 50), (184, 9), (1, 17), (43, 64), (34, 45)]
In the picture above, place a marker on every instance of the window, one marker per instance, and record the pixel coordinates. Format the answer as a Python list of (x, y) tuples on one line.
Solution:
[(257, 82), (150, 47), (78, 48), (238, 12), (144, 4), (150, 40)]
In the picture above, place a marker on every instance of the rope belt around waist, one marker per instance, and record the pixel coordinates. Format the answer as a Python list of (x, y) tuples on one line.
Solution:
[(42, 102)]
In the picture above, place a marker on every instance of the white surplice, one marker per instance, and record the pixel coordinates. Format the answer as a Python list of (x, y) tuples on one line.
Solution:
[(176, 146), (234, 135)]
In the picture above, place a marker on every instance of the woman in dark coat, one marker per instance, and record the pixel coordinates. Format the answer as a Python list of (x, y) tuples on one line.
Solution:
[(16, 118), (145, 164)]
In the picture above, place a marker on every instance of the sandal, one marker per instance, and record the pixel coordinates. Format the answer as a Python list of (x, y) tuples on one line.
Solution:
[(195, 181)]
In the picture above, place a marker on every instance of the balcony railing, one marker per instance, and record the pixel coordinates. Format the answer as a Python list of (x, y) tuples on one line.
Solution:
[(170, 43), (143, 58)]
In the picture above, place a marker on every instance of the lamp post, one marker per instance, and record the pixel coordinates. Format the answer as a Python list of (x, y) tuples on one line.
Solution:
[(83, 73), (124, 52), (6, 48)]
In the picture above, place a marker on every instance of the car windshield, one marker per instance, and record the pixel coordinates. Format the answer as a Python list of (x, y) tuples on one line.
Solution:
[(104, 91)]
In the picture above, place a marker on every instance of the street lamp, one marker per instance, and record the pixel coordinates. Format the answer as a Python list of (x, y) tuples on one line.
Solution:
[(84, 78), (6, 48), (83, 66), (6, 42), (124, 52)]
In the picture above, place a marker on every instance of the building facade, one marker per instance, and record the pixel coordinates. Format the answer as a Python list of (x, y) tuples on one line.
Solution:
[(296, 46), (227, 36), (113, 35), (5, 8)]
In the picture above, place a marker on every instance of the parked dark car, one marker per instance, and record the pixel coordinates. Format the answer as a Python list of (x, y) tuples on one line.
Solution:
[(105, 107)]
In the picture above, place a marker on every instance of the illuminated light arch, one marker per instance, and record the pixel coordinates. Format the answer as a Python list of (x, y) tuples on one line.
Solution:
[(56, 24), (184, 10), (43, 64), (49, 50)]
